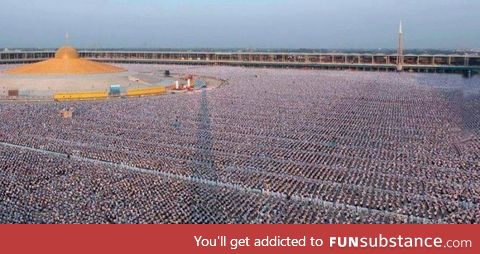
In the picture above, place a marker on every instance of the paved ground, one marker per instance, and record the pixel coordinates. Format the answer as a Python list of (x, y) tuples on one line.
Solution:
[(33, 86)]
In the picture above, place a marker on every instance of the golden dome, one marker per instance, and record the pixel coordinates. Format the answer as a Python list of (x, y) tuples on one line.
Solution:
[(66, 62), (66, 53)]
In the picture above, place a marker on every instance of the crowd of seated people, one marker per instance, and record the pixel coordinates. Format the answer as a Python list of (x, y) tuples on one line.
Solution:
[(271, 146)]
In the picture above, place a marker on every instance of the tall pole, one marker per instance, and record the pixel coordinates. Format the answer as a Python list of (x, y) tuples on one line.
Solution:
[(400, 48), (67, 37)]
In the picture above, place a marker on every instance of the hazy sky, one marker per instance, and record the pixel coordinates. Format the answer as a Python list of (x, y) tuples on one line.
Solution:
[(240, 23)]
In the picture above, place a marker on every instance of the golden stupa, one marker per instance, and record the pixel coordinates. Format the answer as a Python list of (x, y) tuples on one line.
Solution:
[(66, 62)]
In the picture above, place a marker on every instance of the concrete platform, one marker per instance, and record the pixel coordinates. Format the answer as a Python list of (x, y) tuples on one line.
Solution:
[(37, 87)]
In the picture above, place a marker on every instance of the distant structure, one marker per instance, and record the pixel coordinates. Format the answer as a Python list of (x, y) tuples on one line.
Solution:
[(467, 64), (400, 48)]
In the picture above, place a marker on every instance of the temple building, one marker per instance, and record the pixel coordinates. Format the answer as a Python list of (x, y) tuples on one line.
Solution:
[(66, 62)]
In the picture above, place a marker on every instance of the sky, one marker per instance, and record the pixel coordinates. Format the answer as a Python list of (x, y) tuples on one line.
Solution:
[(333, 24)]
